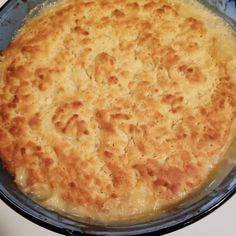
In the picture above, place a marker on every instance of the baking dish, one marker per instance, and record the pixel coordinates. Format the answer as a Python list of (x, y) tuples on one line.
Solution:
[(12, 16)]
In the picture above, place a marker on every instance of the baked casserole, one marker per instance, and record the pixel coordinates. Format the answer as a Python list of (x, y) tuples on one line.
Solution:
[(117, 109)]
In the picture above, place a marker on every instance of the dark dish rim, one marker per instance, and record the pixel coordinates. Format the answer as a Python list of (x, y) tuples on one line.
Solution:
[(206, 205)]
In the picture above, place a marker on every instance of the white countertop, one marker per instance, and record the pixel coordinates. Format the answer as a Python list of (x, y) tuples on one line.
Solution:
[(220, 222)]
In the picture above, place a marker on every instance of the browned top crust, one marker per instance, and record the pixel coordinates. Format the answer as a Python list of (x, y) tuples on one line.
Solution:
[(112, 109)]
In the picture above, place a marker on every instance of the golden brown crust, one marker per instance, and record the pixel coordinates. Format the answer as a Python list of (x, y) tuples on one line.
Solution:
[(116, 108)]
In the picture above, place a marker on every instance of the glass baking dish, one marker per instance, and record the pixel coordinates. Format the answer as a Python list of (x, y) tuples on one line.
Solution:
[(12, 16)]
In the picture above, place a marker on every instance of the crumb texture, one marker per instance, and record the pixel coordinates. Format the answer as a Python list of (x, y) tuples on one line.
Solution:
[(112, 109)]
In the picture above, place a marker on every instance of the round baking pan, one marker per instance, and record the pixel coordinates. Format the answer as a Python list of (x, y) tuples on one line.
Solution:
[(176, 218), (12, 17)]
